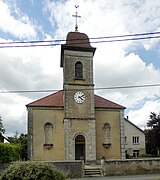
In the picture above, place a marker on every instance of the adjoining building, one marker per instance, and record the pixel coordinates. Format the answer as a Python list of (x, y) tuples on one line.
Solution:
[(134, 139), (3, 138)]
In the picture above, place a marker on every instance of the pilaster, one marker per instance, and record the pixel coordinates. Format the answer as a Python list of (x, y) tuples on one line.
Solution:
[(30, 133), (122, 134)]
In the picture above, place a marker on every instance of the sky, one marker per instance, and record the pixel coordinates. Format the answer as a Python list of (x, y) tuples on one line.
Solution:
[(126, 63)]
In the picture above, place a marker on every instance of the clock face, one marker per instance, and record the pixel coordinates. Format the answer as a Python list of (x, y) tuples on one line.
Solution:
[(79, 97)]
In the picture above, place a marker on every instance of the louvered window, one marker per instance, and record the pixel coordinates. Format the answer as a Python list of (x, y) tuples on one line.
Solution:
[(78, 70)]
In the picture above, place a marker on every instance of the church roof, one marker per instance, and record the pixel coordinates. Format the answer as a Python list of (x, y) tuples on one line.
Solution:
[(56, 100), (105, 103)]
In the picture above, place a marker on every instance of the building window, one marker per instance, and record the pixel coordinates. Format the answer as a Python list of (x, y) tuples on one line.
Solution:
[(106, 135), (48, 131), (135, 153), (78, 70), (135, 140)]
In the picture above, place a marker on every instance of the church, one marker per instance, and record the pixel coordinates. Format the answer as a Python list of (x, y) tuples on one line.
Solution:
[(75, 123)]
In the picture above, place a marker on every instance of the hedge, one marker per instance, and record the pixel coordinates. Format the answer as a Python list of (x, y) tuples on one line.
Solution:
[(9, 152), (33, 170)]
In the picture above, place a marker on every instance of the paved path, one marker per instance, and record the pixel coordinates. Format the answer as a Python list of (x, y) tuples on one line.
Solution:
[(133, 177)]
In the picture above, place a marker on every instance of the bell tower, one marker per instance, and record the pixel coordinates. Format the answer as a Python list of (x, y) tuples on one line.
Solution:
[(79, 112)]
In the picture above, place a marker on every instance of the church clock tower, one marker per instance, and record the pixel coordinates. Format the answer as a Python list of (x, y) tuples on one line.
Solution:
[(79, 112)]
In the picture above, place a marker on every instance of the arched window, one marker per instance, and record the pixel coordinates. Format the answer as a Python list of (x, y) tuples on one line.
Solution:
[(48, 131), (106, 134), (78, 70)]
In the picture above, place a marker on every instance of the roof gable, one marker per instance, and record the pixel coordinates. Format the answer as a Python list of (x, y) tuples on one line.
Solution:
[(133, 125), (56, 100), (2, 138)]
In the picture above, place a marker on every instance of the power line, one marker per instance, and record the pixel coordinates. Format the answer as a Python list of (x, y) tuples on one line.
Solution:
[(109, 41), (100, 88), (43, 43), (129, 87), (27, 91), (62, 40)]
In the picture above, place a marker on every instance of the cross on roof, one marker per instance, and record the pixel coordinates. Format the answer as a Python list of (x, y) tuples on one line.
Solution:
[(76, 16)]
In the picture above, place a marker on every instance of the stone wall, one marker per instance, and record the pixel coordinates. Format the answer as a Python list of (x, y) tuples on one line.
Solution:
[(74, 168), (136, 166), (111, 167)]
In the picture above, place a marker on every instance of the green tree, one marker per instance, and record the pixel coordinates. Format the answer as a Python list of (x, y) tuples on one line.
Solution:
[(21, 141), (153, 134), (2, 130), (9, 152)]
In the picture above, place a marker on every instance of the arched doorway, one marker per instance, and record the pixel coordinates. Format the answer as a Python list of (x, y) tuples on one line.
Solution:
[(80, 147)]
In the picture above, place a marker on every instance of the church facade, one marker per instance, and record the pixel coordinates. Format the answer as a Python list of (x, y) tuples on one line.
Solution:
[(75, 123)]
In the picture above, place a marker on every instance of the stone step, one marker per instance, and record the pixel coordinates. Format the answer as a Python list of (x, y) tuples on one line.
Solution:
[(91, 172)]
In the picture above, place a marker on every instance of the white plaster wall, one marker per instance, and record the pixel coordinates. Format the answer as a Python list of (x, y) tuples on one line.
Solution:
[(131, 131)]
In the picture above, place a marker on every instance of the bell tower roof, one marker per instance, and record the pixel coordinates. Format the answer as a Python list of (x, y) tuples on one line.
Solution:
[(76, 41)]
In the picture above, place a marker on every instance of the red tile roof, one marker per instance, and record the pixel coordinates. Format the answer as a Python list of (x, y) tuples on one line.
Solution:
[(105, 103), (56, 100)]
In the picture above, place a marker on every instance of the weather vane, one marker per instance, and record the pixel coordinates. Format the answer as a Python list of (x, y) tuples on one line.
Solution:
[(76, 16)]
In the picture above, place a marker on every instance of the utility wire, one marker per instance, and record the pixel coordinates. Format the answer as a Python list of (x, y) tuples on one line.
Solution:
[(101, 88), (68, 44), (42, 43), (62, 40)]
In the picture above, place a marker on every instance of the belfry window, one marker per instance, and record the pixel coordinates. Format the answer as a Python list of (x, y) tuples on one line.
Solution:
[(78, 70), (48, 131), (106, 135)]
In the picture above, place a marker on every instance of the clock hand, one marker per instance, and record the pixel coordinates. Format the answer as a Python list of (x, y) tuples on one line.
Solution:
[(81, 97)]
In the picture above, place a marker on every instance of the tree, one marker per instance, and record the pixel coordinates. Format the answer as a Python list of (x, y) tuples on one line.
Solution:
[(21, 141), (9, 152), (2, 130), (153, 134)]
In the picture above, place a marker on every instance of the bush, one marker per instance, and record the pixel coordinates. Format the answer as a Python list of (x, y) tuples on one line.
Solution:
[(145, 155), (9, 152), (32, 171)]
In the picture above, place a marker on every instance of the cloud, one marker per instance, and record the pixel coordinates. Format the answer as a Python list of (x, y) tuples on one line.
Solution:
[(13, 113), (26, 69), (123, 69), (141, 116), (59, 14), (16, 23), (106, 18)]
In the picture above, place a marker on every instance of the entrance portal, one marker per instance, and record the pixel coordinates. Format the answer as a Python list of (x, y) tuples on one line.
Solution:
[(80, 147)]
